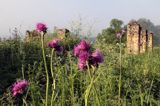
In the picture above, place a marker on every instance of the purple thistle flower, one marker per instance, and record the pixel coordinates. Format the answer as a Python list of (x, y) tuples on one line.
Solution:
[(82, 65), (97, 55), (59, 49), (82, 52), (119, 35), (95, 58), (55, 44), (76, 50), (41, 27), (123, 31), (82, 46), (19, 87), (83, 58)]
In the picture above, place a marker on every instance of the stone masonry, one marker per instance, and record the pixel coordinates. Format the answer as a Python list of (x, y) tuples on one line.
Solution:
[(143, 41), (138, 39), (150, 41), (62, 33), (32, 35)]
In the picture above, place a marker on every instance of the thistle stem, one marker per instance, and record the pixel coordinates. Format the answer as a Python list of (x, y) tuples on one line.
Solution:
[(46, 69), (92, 79), (53, 78), (120, 77)]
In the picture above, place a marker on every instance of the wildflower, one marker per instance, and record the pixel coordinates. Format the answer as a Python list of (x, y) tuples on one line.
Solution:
[(123, 31), (19, 87), (82, 46), (119, 35), (41, 27), (98, 56), (95, 58), (85, 56), (77, 50), (55, 44), (82, 60), (82, 65)]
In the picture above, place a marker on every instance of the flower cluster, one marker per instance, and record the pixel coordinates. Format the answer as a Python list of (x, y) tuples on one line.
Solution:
[(19, 87), (41, 27), (55, 44), (81, 51)]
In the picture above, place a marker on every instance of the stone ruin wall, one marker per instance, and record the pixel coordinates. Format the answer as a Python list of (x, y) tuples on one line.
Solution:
[(61, 33), (32, 35), (150, 41), (138, 40), (133, 38), (143, 41), (35, 35)]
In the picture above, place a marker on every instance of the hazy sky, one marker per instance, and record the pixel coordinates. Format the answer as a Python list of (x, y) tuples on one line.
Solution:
[(24, 14)]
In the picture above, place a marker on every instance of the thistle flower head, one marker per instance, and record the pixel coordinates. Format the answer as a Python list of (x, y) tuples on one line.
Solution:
[(84, 56), (95, 58), (81, 51), (41, 27), (19, 87), (119, 35), (123, 31), (76, 50), (55, 44), (82, 46), (82, 60), (97, 55)]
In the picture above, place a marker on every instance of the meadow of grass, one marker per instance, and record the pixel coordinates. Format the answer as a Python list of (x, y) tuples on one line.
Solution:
[(121, 80)]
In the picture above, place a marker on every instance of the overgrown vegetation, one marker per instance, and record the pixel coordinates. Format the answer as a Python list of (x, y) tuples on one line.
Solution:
[(122, 79)]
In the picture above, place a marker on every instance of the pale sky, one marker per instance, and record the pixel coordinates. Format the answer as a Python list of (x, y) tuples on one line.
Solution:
[(24, 14)]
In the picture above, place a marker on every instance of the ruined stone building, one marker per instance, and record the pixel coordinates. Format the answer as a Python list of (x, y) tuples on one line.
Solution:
[(32, 35), (150, 41), (138, 39), (61, 33), (35, 35)]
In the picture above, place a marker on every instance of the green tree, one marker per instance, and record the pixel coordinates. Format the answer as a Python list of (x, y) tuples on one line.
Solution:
[(116, 24), (148, 25), (108, 35)]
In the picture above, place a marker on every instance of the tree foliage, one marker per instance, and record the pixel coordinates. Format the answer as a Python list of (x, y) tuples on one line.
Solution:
[(148, 25), (108, 35)]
